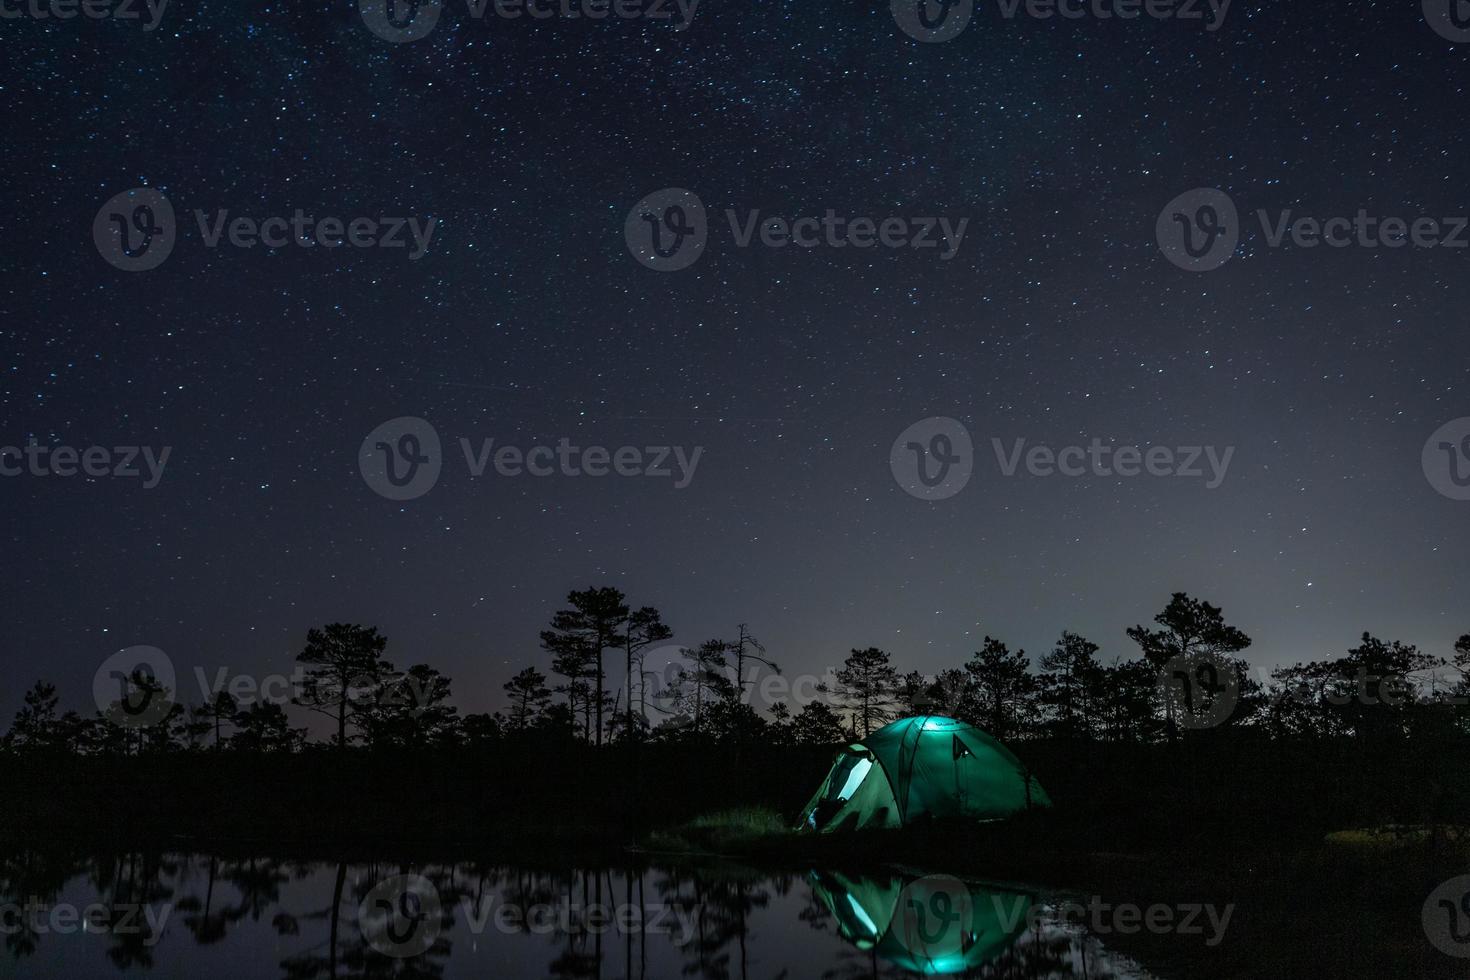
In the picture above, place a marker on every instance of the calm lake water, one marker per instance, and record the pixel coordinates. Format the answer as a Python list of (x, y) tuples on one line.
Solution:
[(200, 916)]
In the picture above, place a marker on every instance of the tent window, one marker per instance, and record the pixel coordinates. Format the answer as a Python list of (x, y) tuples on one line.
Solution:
[(854, 779)]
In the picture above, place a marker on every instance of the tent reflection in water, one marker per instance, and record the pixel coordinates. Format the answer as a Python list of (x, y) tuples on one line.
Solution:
[(927, 766), (930, 925)]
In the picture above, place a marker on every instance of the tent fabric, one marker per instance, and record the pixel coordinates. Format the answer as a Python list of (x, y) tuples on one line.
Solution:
[(931, 925), (927, 765)]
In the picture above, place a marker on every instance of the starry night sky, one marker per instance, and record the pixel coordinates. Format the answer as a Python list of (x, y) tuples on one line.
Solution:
[(528, 321)]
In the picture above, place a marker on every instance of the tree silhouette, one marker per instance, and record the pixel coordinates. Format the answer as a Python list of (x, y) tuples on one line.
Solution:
[(747, 647), (204, 922), (643, 628), (912, 693), (479, 730), (700, 683), (529, 697), (732, 722), (36, 727), (585, 630), (1069, 681), (263, 727), (1127, 695), (817, 724), (1195, 631), (573, 659), (1459, 694), (1368, 694), (1003, 691), (215, 714), (410, 709), (867, 686), (345, 668), (142, 695)]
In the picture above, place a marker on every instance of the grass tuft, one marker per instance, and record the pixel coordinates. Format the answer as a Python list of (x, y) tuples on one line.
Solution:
[(737, 828)]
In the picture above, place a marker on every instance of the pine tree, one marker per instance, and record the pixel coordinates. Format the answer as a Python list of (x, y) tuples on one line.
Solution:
[(867, 687)]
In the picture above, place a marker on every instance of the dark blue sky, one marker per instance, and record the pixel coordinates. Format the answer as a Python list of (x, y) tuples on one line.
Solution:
[(528, 321)]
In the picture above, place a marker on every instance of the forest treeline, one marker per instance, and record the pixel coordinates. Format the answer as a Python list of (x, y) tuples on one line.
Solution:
[(1186, 673)]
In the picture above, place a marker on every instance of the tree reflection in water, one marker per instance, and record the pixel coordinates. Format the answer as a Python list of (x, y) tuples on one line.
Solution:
[(642, 921)]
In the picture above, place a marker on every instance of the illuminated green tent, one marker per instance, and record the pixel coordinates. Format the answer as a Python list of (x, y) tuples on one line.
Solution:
[(924, 766), (930, 925)]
